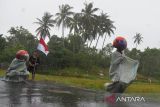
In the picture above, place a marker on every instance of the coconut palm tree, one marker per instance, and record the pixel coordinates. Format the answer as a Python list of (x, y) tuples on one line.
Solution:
[(108, 29), (64, 17), (105, 26), (45, 25), (75, 24), (138, 39), (89, 22)]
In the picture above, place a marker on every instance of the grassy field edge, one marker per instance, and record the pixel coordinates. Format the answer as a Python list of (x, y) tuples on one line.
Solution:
[(95, 83)]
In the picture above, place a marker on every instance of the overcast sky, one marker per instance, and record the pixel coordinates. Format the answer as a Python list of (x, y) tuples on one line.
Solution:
[(130, 17)]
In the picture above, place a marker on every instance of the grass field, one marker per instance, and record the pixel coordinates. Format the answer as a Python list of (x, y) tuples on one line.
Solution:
[(96, 83)]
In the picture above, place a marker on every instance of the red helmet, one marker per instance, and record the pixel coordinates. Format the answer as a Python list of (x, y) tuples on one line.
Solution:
[(22, 55), (120, 43)]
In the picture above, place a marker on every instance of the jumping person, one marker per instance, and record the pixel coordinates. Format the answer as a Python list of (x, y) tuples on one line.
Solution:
[(122, 69), (34, 61)]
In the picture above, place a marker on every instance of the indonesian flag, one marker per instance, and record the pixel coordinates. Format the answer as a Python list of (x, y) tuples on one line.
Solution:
[(42, 46)]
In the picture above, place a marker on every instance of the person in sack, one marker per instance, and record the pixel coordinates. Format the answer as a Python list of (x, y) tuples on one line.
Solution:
[(123, 69), (34, 61), (18, 66)]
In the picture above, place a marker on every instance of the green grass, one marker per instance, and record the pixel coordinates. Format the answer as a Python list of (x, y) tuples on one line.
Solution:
[(91, 82), (2, 72), (144, 88), (95, 82), (74, 81)]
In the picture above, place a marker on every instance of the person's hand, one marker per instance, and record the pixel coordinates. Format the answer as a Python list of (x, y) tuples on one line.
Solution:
[(31, 64)]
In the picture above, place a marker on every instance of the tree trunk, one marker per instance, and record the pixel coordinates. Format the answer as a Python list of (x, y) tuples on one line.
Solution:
[(74, 45), (82, 45), (87, 44), (90, 43), (63, 34), (104, 41), (136, 45), (97, 41)]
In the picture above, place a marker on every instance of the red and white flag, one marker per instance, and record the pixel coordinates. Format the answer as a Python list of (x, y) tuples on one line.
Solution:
[(42, 46)]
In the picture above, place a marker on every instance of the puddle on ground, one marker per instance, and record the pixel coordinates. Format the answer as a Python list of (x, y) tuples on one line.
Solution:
[(36, 94)]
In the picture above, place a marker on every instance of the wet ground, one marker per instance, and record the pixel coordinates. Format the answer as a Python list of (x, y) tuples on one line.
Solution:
[(44, 94)]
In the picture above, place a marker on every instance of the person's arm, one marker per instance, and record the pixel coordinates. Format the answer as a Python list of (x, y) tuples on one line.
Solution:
[(30, 61), (117, 58), (30, 64), (38, 61)]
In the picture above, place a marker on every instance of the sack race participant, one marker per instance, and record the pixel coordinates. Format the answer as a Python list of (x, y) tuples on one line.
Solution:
[(17, 70), (123, 70)]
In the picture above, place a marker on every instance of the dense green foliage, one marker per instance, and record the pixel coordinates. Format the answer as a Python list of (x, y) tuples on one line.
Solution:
[(88, 60), (19, 38)]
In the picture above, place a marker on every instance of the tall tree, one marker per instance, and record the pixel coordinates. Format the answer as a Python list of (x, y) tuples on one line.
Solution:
[(89, 30), (45, 25), (21, 36), (138, 39), (63, 17), (2, 42), (75, 24), (107, 26)]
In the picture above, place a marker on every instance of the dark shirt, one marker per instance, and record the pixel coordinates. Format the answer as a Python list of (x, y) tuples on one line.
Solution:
[(33, 61)]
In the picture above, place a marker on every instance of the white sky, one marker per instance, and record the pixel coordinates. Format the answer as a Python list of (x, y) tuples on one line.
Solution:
[(130, 16)]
